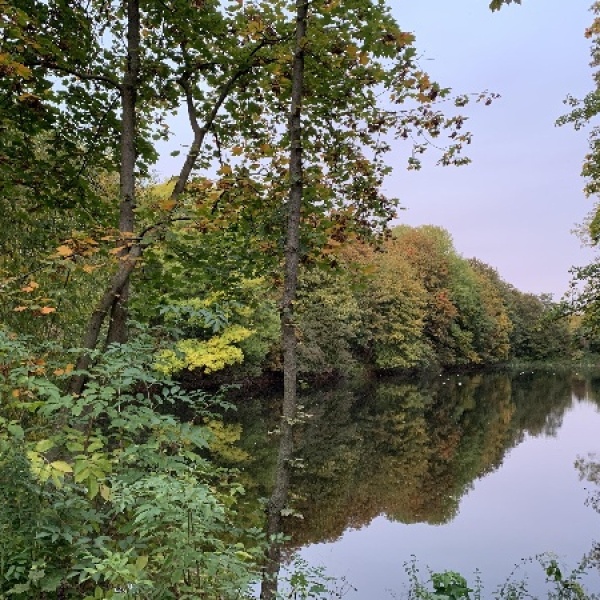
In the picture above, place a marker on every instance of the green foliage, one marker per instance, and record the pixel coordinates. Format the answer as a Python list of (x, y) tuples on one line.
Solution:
[(108, 494), (498, 4), (450, 585), (413, 302), (466, 318), (393, 303), (330, 319), (305, 582)]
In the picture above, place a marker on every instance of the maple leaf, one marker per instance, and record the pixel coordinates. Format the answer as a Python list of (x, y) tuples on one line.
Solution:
[(64, 251)]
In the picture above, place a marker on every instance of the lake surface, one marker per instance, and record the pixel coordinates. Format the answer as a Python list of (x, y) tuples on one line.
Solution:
[(464, 473)]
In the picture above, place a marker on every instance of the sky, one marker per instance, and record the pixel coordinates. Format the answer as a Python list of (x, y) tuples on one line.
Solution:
[(516, 205)]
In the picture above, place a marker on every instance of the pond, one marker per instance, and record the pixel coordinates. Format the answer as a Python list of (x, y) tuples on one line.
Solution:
[(464, 473)]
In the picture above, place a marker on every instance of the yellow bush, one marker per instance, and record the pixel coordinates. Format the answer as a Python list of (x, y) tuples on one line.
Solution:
[(210, 355)]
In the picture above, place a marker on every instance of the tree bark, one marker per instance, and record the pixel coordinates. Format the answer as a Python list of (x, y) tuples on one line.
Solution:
[(117, 331), (90, 340), (279, 496)]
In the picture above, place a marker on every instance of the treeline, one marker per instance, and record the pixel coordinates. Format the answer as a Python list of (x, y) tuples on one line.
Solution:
[(414, 302), (410, 302), (406, 302)]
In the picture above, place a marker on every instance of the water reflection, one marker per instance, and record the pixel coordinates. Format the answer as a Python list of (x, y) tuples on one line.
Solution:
[(408, 451)]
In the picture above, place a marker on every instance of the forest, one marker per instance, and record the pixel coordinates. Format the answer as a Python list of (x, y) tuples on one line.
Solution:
[(133, 308)]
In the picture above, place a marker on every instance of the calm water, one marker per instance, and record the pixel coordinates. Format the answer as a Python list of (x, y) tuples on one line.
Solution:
[(465, 473)]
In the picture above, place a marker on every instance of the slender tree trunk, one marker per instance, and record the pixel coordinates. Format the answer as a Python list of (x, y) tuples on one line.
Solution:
[(117, 331), (279, 496), (114, 299)]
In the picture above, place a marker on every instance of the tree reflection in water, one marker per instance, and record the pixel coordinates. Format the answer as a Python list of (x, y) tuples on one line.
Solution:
[(408, 451)]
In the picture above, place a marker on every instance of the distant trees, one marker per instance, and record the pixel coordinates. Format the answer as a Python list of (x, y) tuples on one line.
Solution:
[(412, 302)]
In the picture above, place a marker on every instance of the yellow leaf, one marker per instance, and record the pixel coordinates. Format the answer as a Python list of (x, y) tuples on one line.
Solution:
[(105, 492), (237, 150), (20, 308), (46, 310), (88, 268), (30, 287), (15, 393), (22, 71), (62, 466), (27, 97), (404, 38), (68, 368), (226, 169), (64, 251)]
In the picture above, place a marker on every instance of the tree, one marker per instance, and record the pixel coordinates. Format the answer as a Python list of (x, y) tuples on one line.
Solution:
[(392, 303), (208, 53), (331, 132)]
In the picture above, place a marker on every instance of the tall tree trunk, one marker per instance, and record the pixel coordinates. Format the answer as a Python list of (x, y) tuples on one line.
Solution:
[(279, 496), (117, 331), (114, 299)]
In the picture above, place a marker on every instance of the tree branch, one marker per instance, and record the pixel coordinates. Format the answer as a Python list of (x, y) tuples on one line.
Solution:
[(48, 64)]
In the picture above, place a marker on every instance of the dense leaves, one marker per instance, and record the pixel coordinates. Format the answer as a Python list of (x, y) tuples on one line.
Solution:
[(108, 490)]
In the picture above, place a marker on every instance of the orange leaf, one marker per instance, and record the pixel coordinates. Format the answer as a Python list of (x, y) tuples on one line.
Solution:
[(32, 285), (46, 310), (20, 308), (64, 251), (168, 204)]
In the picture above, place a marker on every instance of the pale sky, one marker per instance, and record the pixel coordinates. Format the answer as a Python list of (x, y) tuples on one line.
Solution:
[(515, 206)]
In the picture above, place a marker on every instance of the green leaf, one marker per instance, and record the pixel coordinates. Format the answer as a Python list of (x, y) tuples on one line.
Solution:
[(44, 445), (16, 431)]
